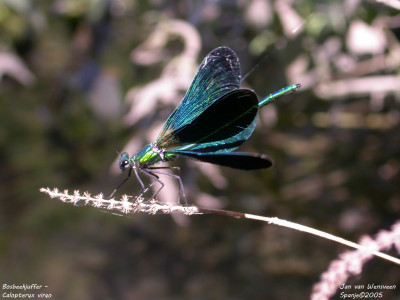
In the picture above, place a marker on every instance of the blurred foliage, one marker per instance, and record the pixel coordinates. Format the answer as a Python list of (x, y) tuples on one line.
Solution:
[(83, 79)]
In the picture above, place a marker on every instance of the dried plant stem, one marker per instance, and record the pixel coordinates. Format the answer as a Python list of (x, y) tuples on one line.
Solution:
[(127, 206), (288, 224)]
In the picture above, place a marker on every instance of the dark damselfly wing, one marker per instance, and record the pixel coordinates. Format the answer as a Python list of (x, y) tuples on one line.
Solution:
[(218, 74), (228, 116), (236, 160)]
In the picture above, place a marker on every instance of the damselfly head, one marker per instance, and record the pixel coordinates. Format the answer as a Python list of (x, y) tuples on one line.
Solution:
[(124, 162)]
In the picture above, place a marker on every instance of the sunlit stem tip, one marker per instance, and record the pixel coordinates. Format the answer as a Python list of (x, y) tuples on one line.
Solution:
[(126, 205)]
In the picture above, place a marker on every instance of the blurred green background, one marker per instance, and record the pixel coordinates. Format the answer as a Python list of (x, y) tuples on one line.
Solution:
[(80, 80)]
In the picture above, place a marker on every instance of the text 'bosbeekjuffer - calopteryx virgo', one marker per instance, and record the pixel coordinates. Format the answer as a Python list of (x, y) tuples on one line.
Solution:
[(214, 119)]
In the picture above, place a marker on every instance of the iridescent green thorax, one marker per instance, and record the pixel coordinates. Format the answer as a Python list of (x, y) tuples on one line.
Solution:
[(151, 155)]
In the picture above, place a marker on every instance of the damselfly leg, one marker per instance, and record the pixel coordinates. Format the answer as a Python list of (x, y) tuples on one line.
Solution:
[(151, 173)]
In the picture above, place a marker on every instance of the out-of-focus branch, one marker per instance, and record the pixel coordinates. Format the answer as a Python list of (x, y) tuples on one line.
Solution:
[(391, 3), (351, 262), (13, 66)]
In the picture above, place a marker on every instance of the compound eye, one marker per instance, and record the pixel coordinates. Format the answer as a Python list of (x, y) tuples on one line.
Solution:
[(124, 164)]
